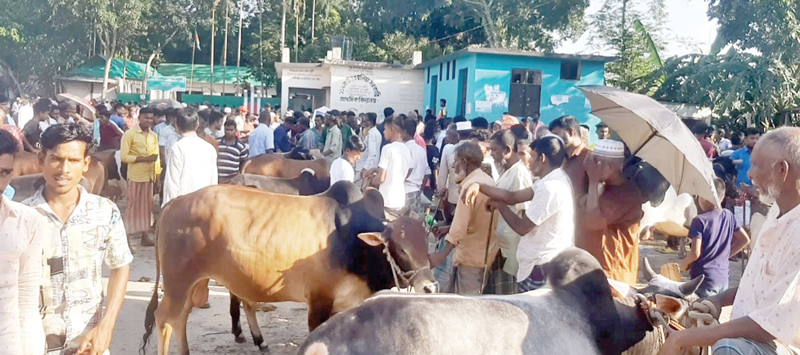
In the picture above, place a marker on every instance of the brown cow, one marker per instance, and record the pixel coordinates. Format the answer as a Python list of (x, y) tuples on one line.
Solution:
[(26, 163), (326, 250), (26, 186), (274, 165)]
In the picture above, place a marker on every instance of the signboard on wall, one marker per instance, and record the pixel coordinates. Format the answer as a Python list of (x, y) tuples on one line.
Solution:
[(309, 78), (362, 89), (167, 83)]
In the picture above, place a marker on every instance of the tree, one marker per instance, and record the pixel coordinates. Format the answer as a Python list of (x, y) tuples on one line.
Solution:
[(770, 26), (631, 30)]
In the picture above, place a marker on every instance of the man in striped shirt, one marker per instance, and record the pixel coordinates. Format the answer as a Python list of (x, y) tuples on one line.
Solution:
[(232, 154)]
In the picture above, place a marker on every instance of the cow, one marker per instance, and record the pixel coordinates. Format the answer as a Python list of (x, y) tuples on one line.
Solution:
[(26, 163), (331, 251), (575, 314), (273, 165), (304, 185)]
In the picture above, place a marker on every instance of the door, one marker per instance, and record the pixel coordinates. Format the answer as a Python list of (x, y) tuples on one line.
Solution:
[(435, 94), (462, 92)]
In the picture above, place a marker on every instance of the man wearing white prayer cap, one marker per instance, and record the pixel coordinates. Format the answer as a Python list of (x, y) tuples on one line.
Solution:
[(611, 212)]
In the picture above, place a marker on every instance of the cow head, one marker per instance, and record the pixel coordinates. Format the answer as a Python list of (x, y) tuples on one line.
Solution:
[(404, 242), (311, 184), (660, 285)]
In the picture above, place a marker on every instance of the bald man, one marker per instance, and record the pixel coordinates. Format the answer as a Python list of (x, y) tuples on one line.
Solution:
[(766, 305)]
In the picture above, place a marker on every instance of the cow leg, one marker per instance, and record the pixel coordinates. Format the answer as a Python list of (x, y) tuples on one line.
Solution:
[(236, 326), (319, 310), (252, 322), (180, 330), (167, 315)]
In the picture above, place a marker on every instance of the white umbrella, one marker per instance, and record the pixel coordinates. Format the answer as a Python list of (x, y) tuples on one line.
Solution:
[(656, 135)]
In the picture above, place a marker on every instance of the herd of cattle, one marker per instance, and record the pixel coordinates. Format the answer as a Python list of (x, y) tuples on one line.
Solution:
[(280, 232)]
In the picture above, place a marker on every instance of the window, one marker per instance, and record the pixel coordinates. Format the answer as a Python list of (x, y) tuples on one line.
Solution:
[(570, 69), (448, 70), (517, 76)]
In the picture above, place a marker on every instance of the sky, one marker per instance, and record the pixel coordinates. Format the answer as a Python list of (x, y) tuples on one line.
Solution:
[(688, 30)]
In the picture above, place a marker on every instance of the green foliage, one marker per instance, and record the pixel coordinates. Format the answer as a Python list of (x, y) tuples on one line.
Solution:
[(768, 26)]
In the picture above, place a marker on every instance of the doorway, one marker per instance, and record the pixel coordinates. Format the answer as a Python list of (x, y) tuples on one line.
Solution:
[(462, 92)]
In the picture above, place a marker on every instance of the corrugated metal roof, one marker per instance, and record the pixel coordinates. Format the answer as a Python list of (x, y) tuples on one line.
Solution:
[(95, 68), (202, 73)]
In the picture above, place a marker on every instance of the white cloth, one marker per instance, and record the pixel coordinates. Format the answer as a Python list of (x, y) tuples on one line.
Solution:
[(191, 166), (372, 153), (333, 142), (419, 166), (21, 330), (24, 116), (396, 161), (239, 123), (341, 169), (724, 144), (440, 139), (516, 178), (447, 173), (490, 162), (769, 291), (552, 210), (44, 125)]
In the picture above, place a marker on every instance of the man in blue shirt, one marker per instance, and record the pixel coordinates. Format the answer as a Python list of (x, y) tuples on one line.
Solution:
[(117, 117), (741, 158), (282, 135), (307, 137), (262, 140)]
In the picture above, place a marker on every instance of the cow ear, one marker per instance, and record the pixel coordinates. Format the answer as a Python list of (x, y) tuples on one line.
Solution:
[(372, 238), (670, 305)]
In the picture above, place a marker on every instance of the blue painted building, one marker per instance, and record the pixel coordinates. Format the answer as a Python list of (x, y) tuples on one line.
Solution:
[(483, 82)]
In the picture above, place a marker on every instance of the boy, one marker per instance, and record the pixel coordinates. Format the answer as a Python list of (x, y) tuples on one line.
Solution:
[(343, 167), (715, 237)]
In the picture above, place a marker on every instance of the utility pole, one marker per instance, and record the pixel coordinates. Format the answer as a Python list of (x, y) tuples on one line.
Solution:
[(283, 26), (225, 48), (213, 31), (313, 19), (239, 51)]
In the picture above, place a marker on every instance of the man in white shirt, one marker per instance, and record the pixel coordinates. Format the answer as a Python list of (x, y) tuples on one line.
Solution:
[(333, 140), (191, 162), (393, 169), (343, 167), (420, 169), (21, 330), (372, 144), (766, 305), (548, 226), (446, 181)]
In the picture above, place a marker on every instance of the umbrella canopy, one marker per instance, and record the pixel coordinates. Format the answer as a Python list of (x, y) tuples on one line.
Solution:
[(163, 104), (656, 135), (83, 103)]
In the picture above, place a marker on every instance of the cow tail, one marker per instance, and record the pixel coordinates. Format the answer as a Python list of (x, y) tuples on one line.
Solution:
[(150, 315)]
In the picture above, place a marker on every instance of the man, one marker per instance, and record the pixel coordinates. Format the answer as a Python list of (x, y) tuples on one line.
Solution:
[(81, 231), (603, 132), (241, 119), (548, 225), (191, 161), (515, 176), (741, 158), (262, 140), (307, 137), (472, 233), (347, 131), (568, 129), (393, 169), (447, 185), (343, 168), (700, 131), (766, 305), (610, 214), (215, 122), (232, 154), (420, 169), (443, 110), (21, 329), (40, 122), (140, 150), (282, 143), (110, 133), (723, 143), (333, 140), (118, 117), (388, 113), (25, 114), (372, 142)]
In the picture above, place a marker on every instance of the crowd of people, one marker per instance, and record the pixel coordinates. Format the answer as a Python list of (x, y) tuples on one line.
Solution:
[(508, 198)]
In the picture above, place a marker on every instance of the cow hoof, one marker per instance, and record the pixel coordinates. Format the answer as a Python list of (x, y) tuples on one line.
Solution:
[(264, 348), (240, 339)]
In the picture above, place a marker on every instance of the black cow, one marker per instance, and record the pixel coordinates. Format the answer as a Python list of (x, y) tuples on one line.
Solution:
[(575, 314), (304, 185)]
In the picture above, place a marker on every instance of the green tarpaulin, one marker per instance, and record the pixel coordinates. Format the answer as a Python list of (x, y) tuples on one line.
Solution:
[(96, 66), (202, 73)]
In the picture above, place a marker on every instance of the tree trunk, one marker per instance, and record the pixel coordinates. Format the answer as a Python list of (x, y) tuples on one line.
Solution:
[(11, 75), (313, 20), (109, 57), (147, 73)]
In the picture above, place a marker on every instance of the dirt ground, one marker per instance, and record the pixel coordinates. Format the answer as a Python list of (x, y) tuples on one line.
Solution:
[(284, 329)]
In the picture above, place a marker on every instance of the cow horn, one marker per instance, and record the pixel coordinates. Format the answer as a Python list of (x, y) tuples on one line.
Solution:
[(689, 287), (308, 170), (649, 274)]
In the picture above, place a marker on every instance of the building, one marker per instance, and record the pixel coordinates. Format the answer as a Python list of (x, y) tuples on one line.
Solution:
[(124, 77), (350, 85), (483, 82)]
